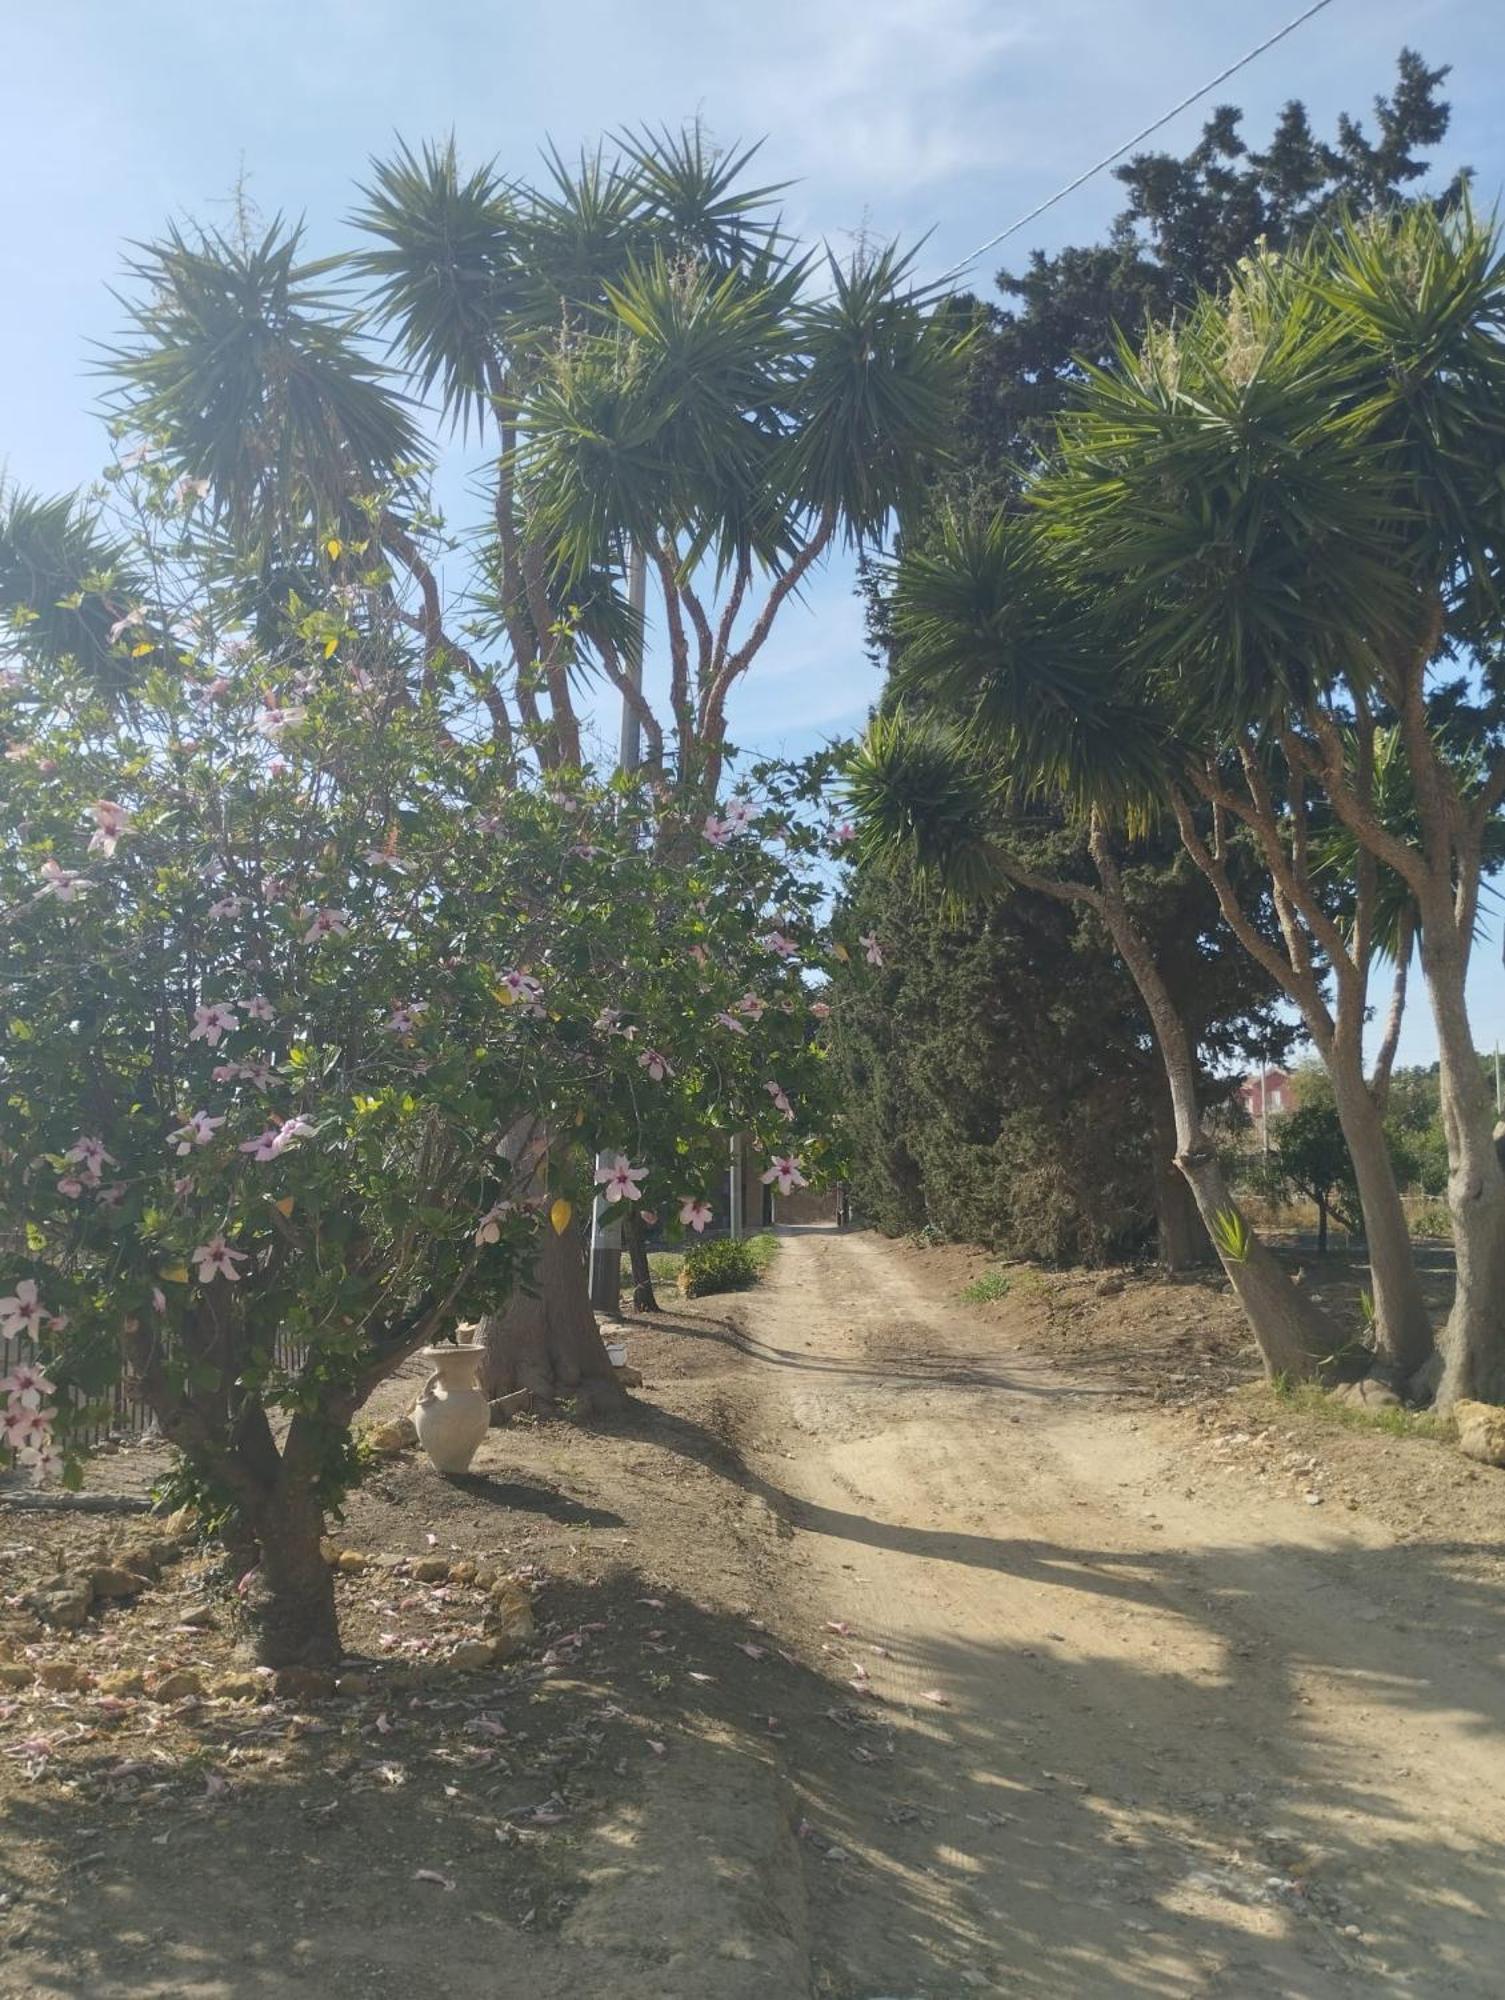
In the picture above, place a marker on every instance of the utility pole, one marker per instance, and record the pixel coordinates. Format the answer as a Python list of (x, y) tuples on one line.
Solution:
[(606, 1235), (736, 1177)]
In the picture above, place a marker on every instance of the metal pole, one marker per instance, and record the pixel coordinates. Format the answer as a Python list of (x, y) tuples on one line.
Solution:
[(630, 740), (1264, 1110), (606, 1231), (1497, 1079), (736, 1188)]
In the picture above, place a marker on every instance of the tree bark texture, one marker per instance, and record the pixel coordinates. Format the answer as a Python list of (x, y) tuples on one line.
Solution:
[(1473, 1341), (1294, 1336), (288, 1599), (1403, 1326), (545, 1338)]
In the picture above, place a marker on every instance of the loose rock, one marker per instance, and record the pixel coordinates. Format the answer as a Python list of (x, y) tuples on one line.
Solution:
[(302, 1684), (61, 1675), (113, 1583), (65, 1606), (1369, 1394), (1481, 1431), (472, 1653), (181, 1684), (509, 1621)]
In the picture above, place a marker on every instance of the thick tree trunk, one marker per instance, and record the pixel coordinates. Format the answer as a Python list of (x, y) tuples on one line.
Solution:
[(644, 1298), (1403, 1327), (1295, 1339), (1294, 1336), (289, 1597), (1473, 1342), (546, 1339), (1183, 1244)]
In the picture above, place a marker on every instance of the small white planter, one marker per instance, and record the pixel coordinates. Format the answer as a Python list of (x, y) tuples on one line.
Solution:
[(616, 1353), (452, 1413)]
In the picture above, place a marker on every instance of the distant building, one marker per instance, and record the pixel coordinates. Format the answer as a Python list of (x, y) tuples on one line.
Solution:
[(1267, 1094)]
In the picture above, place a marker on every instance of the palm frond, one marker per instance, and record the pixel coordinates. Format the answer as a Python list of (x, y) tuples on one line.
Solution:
[(873, 401), (248, 365), (991, 627), (446, 272), (922, 795), (65, 589)]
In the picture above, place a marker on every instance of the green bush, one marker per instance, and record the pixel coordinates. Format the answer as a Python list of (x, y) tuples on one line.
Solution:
[(723, 1266), (982, 1291), (1433, 1218)]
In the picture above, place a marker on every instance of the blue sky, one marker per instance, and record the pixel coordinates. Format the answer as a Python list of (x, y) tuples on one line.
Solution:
[(896, 117)]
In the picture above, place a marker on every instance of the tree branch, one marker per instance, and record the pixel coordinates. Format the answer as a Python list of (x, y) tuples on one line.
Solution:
[(679, 653), (1384, 1061), (1297, 984), (635, 699), (713, 700)]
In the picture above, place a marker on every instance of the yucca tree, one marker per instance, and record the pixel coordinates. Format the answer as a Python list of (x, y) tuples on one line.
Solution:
[(658, 377), (662, 373), (1292, 504), (1014, 697), (70, 584)]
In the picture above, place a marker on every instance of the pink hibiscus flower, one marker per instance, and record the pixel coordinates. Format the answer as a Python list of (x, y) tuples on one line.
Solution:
[(199, 1130), (784, 1174), (66, 885), (22, 1313), (619, 1181), (110, 822), (209, 1023), (215, 1259)]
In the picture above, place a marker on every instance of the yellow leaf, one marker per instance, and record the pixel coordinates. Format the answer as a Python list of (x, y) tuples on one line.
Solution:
[(559, 1214), (334, 548), (580, 1116), (840, 951), (329, 647), (146, 646), (285, 1206), (178, 1275), (503, 995)]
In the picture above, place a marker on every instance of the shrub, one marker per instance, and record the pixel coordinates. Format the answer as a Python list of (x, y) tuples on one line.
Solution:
[(723, 1266), (1433, 1218), (984, 1290)]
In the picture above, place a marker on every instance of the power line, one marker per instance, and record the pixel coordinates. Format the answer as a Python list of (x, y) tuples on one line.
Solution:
[(1108, 158)]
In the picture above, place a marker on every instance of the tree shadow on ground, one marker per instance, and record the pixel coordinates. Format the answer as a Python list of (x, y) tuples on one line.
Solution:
[(941, 1370), (274, 1851), (518, 1496)]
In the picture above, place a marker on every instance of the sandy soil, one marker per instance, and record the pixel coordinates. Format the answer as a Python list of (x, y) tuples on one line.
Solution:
[(891, 1649)]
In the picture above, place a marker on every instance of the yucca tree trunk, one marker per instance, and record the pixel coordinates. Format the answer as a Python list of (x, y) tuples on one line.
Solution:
[(1473, 1342), (1182, 1244), (1403, 1326), (1295, 1337)]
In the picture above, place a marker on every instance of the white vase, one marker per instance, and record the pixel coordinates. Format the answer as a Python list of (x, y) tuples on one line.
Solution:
[(452, 1413)]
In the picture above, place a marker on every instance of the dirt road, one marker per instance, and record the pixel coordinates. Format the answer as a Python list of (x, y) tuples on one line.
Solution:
[(1188, 1746), (878, 1658)]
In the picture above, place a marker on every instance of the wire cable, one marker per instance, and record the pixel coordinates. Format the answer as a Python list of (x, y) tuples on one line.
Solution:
[(1108, 158)]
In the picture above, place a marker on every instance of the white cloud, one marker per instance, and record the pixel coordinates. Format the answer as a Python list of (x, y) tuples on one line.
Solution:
[(887, 95)]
